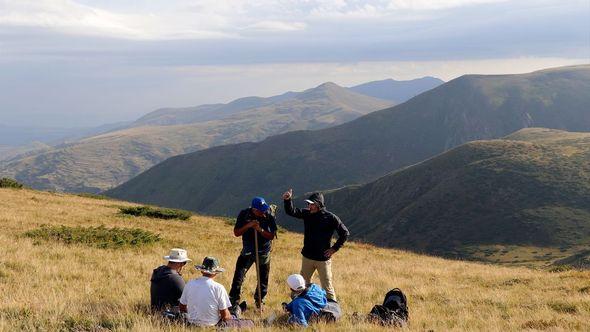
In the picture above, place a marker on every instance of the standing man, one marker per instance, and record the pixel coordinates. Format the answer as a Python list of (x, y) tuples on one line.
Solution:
[(256, 218), (319, 226), (167, 283)]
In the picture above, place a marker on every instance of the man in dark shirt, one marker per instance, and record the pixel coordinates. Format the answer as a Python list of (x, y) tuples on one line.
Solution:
[(319, 226), (167, 283), (256, 218)]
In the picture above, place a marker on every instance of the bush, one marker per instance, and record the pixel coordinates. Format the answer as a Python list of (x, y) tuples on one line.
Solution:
[(98, 237), (94, 196), (10, 183), (154, 212)]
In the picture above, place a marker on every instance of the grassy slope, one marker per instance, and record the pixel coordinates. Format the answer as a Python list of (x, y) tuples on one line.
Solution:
[(103, 161), (519, 200), (472, 107), (49, 286)]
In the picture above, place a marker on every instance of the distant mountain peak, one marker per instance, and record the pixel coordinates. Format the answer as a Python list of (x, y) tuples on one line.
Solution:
[(329, 85), (397, 91)]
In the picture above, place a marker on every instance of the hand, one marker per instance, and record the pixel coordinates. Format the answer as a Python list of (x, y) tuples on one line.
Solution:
[(284, 305), (328, 253), (288, 195), (257, 227), (252, 224)]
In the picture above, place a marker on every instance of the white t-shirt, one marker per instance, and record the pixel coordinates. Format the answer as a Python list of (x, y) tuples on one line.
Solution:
[(204, 297)]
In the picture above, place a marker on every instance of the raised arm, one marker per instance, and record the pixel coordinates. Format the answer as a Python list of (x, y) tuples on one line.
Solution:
[(290, 209)]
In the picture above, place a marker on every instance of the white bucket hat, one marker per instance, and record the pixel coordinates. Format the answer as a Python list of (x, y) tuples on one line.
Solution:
[(177, 255), (296, 282)]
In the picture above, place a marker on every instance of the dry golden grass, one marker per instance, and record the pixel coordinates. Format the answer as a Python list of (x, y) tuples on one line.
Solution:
[(51, 286)]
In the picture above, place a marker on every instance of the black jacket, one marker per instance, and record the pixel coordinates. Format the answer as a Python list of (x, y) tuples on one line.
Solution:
[(166, 287), (268, 223), (319, 228)]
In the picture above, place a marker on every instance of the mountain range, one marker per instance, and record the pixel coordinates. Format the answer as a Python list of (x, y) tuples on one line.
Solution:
[(520, 199), (397, 91), (102, 161), (221, 180)]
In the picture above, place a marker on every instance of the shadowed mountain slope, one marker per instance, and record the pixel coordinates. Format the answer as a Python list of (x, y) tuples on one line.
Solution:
[(473, 107), (526, 195)]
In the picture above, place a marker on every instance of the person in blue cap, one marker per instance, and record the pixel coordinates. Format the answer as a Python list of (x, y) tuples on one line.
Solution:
[(256, 218)]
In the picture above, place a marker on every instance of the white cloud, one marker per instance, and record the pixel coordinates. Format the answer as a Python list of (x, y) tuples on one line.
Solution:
[(277, 26), (198, 19)]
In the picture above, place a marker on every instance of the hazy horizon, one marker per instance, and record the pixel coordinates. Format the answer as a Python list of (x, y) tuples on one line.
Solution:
[(69, 63)]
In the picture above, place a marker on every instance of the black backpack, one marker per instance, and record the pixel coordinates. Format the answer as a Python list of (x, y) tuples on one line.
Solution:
[(393, 311)]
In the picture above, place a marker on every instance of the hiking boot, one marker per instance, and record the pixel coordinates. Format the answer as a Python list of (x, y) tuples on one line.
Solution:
[(243, 306)]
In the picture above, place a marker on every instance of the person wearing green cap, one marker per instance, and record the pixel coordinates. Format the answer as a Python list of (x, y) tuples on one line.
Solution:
[(256, 218), (204, 300)]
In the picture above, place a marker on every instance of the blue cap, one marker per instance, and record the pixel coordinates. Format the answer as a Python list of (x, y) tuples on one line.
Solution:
[(260, 204)]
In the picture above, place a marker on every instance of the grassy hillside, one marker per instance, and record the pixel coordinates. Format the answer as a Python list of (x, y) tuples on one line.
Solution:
[(78, 287), (101, 162), (520, 200), (472, 107)]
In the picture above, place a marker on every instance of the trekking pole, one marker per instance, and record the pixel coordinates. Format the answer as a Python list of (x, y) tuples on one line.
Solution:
[(259, 290)]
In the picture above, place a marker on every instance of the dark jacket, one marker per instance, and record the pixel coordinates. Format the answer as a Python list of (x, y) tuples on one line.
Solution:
[(268, 223), (166, 287), (319, 228)]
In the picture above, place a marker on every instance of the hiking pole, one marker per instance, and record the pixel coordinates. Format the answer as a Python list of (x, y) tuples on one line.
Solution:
[(259, 290)]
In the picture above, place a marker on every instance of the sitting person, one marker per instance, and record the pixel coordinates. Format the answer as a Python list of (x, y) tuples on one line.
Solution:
[(167, 283), (307, 302), (206, 302)]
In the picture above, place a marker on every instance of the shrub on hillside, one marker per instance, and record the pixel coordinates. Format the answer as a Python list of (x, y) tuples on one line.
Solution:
[(94, 196), (98, 237), (10, 183), (155, 212)]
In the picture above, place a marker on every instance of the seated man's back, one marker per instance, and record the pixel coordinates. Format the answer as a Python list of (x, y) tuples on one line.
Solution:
[(166, 281), (204, 298)]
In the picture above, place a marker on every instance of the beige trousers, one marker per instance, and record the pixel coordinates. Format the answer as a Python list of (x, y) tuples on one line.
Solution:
[(309, 266)]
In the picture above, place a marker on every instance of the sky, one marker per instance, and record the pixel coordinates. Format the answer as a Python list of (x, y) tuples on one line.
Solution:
[(86, 62)]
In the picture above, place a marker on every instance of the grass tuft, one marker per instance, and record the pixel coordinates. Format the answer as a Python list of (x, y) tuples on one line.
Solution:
[(155, 212), (10, 183), (98, 237), (566, 308), (540, 324), (561, 268)]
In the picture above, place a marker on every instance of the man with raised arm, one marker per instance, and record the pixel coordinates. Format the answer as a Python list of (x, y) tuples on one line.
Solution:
[(317, 252)]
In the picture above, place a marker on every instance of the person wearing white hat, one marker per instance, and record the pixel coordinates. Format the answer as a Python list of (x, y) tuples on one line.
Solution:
[(308, 301), (167, 283)]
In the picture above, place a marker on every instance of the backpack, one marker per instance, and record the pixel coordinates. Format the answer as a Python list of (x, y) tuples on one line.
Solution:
[(393, 311)]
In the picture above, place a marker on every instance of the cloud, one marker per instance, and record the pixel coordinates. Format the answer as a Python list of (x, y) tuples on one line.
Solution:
[(277, 26), (205, 19)]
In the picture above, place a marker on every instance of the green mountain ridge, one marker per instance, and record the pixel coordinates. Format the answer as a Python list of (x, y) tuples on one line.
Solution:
[(485, 200), (220, 180), (100, 162)]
